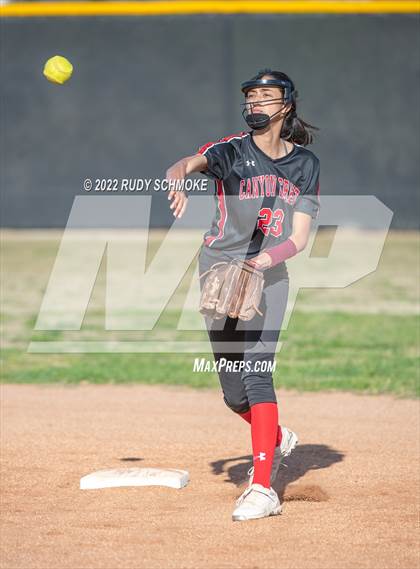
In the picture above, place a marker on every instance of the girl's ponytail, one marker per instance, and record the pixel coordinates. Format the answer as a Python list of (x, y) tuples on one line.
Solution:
[(297, 130)]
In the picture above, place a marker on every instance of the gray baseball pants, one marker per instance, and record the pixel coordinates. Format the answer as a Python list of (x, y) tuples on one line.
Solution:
[(245, 350)]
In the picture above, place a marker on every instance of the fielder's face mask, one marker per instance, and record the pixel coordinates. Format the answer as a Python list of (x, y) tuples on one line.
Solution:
[(258, 121)]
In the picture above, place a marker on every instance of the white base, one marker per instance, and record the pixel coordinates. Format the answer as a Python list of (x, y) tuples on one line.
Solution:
[(117, 477)]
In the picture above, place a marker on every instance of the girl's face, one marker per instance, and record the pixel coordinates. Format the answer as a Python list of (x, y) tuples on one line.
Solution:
[(267, 100)]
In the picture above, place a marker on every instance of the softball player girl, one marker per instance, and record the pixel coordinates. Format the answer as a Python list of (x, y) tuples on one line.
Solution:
[(267, 193)]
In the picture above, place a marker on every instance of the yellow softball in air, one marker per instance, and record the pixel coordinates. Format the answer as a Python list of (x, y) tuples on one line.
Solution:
[(58, 69)]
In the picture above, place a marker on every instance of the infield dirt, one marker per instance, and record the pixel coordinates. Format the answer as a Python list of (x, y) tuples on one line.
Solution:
[(350, 491)]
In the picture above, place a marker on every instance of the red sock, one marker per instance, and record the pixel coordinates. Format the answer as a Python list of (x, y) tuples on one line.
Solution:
[(247, 417), (264, 430), (279, 435)]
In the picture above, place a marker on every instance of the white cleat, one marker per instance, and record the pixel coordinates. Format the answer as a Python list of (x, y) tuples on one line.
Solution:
[(289, 440), (256, 502)]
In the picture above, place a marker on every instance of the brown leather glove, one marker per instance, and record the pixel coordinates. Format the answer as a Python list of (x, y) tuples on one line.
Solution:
[(232, 289)]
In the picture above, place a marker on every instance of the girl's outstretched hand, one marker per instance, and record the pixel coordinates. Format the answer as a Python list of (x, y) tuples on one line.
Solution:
[(179, 198)]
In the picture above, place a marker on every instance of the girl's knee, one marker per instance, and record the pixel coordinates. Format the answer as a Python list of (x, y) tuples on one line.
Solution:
[(239, 405)]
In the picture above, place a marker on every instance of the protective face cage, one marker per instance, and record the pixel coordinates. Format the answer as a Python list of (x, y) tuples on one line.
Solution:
[(258, 121)]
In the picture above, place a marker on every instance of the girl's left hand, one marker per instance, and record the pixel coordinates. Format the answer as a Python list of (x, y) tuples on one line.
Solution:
[(261, 261)]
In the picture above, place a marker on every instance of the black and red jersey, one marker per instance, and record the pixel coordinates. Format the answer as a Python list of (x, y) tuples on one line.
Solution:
[(256, 195)]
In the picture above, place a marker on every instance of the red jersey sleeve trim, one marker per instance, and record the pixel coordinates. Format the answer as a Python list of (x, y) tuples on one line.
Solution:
[(208, 145)]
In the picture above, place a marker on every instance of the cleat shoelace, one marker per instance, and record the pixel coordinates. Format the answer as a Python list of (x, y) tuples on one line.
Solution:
[(243, 496), (251, 470), (246, 493)]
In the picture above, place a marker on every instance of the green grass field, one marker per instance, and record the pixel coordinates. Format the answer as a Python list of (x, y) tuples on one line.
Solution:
[(363, 338)]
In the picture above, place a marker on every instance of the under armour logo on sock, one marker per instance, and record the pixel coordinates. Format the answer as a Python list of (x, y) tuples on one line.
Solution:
[(261, 456)]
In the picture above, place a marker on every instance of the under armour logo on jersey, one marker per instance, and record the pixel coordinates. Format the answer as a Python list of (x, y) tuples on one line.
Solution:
[(261, 456), (250, 163)]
